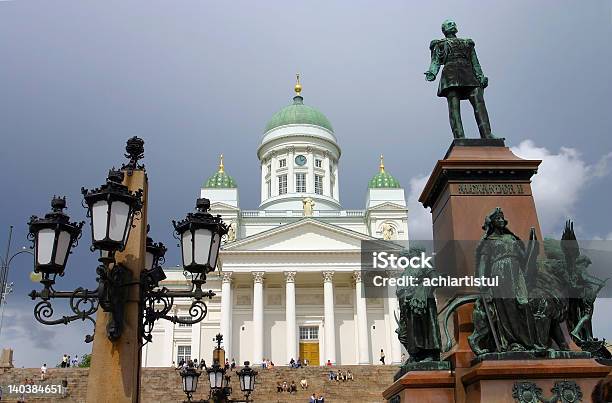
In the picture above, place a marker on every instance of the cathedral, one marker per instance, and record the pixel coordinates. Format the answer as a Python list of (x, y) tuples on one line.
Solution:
[(288, 283)]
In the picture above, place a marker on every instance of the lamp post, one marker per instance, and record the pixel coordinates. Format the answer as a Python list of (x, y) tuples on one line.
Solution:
[(220, 389), (5, 264), (190, 377), (128, 274)]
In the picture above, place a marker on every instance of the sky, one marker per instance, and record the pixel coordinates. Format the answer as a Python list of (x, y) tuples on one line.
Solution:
[(196, 78)]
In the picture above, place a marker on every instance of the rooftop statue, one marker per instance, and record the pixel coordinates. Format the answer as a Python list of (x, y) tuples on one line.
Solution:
[(308, 205), (462, 78)]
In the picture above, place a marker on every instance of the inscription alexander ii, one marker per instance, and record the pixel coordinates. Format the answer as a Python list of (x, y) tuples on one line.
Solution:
[(490, 189)]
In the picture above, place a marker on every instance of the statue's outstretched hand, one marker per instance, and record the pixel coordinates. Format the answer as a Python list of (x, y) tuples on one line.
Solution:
[(429, 76), (484, 82)]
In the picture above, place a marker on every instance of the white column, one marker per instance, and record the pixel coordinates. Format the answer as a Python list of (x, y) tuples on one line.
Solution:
[(330, 322), (310, 175), (273, 175), (290, 315), (226, 312), (290, 174), (196, 340), (258, 317), (327, 175), (169, 341), (362, 321), (264, 190), (337, 182), (393, 310)]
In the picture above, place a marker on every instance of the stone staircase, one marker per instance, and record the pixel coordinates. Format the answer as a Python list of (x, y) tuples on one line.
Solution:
[(370, 381), (164, 384)]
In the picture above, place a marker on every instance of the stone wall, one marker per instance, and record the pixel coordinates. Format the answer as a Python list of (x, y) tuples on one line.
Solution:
[(164, 384)]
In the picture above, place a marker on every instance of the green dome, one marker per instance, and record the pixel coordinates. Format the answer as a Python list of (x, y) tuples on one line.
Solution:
[(383, 179), (220, 179), (296, 114)]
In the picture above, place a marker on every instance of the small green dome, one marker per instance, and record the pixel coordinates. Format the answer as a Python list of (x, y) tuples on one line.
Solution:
[(220, 179), (383, 179), (298, 113)]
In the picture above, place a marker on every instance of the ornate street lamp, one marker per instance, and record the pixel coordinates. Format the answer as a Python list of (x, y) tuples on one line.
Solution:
[(112, 209), (216, 375), (53, 237), (200, 235), (247, 379), (220, 389), (190, 377), (154, 258), (155, 253)]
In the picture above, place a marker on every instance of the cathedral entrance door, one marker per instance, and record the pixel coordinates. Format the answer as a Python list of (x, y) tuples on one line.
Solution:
[(309, 344), (310, 351)]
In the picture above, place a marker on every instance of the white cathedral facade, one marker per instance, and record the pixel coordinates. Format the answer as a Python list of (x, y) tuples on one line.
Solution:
[(289, 283)]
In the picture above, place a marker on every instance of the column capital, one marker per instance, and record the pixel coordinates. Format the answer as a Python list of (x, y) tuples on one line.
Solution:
[(290, 276), (328, 276), (258, 276), (226, 276), (357, 276)]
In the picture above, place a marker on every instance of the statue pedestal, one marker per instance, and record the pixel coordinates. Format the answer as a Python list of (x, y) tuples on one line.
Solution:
[(475, 176), (513, 380), (506, 381), (437, 386)]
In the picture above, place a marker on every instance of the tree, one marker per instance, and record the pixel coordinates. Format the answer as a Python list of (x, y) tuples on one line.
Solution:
[(85, 361)]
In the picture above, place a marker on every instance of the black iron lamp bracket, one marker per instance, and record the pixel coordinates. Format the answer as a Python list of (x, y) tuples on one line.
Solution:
[(83, 303), (158, 302), (111, 295)]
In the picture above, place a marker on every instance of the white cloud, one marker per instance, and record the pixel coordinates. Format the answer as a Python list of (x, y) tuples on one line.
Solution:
[(419, 217), (557, 187), (560, 181)]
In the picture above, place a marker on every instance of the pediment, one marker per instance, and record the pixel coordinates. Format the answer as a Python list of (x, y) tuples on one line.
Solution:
[(388, 206), (305, 235), (222, 206)]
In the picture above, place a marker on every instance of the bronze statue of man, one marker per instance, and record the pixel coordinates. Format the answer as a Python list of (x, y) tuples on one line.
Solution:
[(462, 78)]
